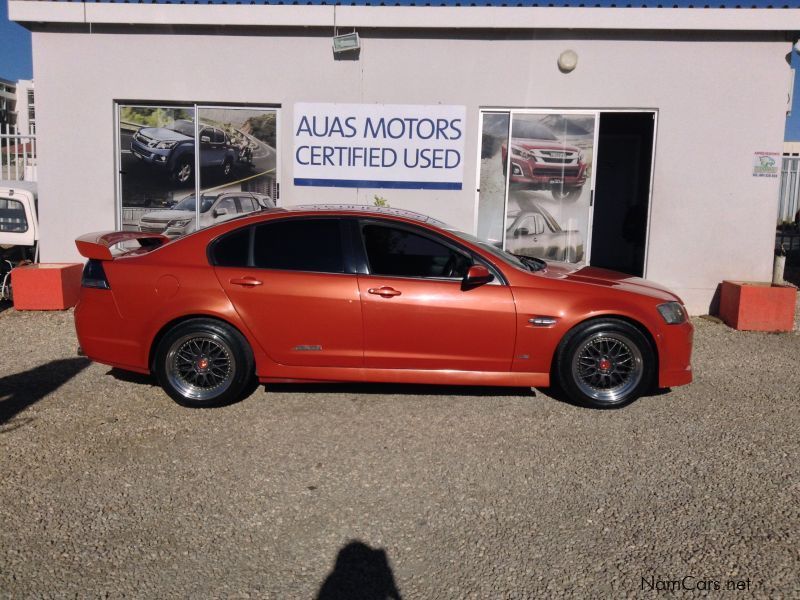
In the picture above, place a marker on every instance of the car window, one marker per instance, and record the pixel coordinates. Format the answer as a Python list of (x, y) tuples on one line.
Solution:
[(228, 204), (247, 204), (398, 252), (533, 223), (299, 245), (12, 216), (232, 250), (219, 136)]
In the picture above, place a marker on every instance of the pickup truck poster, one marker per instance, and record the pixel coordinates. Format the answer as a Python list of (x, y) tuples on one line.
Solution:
[(157, 164), (535, 183), (379, 146)]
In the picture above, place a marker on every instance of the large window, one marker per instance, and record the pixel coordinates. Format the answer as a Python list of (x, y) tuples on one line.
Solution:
[(398, 252), (12, 216), (169, 155), (299, 245)]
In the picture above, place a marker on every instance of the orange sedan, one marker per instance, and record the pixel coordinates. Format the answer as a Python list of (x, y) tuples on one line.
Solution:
[(335, 293)]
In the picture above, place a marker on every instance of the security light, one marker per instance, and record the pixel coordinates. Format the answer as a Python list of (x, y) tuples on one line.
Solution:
[(346, 43)]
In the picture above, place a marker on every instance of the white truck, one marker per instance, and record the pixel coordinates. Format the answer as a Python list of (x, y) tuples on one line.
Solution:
[(19, 229)]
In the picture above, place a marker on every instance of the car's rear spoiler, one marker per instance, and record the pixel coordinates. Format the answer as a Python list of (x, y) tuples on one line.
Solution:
[(98, 245)]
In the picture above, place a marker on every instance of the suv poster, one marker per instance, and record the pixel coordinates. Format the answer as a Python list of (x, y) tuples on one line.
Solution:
[(535, 183), (159, 155)]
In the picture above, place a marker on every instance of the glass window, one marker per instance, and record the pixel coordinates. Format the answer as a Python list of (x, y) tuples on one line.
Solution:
[(232, 250), (247, 204), (300, 245), (219, 137), (228, 205), (12, 216), (399, 252)]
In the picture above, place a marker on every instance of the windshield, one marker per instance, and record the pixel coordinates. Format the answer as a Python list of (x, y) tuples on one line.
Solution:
[(189, 204), (525, 263), (531, 131), (184, 127)]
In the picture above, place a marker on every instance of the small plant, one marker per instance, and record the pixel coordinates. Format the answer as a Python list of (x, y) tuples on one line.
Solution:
[(381, 202)]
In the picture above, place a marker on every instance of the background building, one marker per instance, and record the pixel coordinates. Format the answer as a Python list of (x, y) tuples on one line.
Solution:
[(641, 139)]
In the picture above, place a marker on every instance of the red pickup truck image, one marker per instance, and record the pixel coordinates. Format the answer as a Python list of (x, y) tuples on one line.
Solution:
[(539, 161)]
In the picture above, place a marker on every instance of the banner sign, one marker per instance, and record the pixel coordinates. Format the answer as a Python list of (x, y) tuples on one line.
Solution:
[(379, 146)]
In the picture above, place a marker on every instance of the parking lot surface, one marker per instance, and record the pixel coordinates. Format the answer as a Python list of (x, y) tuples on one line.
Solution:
[(107, 487)]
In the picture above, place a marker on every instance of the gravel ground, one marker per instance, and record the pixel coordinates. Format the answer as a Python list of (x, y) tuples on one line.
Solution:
[(109, 488)]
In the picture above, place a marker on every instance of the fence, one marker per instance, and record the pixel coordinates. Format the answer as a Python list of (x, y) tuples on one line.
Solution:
[(17, 155), (790, 189)]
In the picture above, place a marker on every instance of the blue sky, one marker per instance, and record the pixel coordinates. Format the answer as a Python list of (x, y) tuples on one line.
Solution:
[(16, 62), (15, 48)]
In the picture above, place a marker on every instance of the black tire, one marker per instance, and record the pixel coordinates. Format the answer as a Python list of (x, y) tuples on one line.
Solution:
[(227, 168), (605, 363), (183, 171), (568, 194), (202, 363)]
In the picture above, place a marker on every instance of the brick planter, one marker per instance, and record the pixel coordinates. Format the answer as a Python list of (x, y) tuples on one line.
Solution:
[(756, 306), (47, 286)]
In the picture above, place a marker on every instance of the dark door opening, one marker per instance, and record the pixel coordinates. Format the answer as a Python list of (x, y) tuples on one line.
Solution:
[(622, 191)]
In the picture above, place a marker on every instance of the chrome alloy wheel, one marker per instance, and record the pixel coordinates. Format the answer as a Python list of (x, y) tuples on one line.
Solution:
[(184, 173), (607, 367), (200, 367)]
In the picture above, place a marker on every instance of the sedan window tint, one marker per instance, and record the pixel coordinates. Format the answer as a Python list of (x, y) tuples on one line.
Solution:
[(398, 252), (231, 250), (300, 245)]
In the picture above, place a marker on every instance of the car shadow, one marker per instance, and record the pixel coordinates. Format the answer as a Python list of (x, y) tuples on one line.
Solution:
[(5, 305), (360, 573), (557, 394), (22, 390), (385, 389)]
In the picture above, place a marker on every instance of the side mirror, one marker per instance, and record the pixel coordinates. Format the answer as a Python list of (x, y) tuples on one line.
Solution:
[(218, 212), (204, 139), (476, 275)]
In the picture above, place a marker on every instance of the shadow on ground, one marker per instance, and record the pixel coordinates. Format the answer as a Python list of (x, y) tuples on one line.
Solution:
[(19, 391), (387, 389), (360, 573)]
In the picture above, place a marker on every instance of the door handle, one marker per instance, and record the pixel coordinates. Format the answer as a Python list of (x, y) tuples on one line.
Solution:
[(246, 281), (384, 292)]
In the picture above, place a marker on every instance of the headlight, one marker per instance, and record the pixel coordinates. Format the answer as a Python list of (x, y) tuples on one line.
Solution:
[(518, 152), (672, 312), (164, 145), (178, 223)]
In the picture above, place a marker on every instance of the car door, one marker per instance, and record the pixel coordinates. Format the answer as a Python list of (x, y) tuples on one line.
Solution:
[(290, 282), (416, 313)]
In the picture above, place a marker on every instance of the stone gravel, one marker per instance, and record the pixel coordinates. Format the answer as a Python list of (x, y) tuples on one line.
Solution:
[(108, 488)]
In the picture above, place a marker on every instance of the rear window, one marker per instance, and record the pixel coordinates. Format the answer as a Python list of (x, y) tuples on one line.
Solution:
[(299, 245), (12, 216), (232, 250)]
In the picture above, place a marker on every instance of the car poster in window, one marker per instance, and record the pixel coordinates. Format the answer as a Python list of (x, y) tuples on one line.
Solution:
[(162, 147)]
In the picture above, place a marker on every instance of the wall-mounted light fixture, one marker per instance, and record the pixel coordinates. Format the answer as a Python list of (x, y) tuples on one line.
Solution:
[(567, 61), (348, 42)]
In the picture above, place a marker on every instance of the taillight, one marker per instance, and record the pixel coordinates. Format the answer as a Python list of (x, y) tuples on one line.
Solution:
[(94, 276)]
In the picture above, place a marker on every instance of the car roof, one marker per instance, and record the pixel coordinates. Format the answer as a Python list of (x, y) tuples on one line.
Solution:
[(365, 209)]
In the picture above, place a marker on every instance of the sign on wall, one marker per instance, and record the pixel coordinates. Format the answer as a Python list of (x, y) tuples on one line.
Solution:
[(766, 164), (379, 146)]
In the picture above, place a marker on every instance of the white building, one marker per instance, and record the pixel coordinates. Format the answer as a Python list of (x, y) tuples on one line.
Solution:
[(641, 139), (25, 112)]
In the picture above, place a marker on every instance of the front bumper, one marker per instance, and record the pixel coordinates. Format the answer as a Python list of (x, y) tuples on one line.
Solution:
[(528, 171), (157, 158), (675, 355)]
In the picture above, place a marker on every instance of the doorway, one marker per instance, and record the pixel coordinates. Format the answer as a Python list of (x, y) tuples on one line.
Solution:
[(622, 191)]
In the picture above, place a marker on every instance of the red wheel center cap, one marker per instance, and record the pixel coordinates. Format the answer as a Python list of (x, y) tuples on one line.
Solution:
[(604, 364), (202, 363)]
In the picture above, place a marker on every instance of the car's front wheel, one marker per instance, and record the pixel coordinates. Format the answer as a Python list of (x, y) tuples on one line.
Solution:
[(202, 363), (184, 170), (605, 363), (227, 167)]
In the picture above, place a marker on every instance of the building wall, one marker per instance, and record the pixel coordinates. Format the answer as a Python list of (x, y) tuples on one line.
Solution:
[(719, 98), (24, 108)]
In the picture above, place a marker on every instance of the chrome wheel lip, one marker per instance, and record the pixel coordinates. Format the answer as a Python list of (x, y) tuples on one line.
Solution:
[(625, 370), (200, 366)]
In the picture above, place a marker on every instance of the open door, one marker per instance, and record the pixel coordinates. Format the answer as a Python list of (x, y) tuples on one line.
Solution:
[(622, 191)]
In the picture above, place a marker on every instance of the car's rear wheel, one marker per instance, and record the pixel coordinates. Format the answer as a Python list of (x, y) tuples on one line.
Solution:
[(203, 363), (184, 170), (569, 194), (605, 363)]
